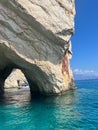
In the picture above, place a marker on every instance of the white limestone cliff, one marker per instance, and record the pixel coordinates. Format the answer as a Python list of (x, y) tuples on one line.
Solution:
[(35, 38)]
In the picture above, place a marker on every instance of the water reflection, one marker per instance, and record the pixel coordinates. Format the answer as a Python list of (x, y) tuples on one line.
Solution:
[(14, 96), (75, 110), (19, 111), (61, 111)]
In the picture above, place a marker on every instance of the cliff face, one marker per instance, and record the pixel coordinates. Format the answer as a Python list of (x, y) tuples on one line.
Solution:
[(35, 38)]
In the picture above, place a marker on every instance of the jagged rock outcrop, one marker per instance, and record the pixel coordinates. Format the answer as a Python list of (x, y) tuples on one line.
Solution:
[(35, 38)]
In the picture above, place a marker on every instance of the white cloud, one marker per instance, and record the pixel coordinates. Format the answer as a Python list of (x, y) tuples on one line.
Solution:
[(85, 72)]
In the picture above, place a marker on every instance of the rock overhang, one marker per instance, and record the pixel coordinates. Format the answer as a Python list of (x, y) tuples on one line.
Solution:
[(35, 43)]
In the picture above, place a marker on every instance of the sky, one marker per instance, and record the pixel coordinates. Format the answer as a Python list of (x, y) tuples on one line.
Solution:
[(85, 39)]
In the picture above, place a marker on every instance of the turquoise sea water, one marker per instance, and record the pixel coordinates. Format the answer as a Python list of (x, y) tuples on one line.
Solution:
[(77, 110)]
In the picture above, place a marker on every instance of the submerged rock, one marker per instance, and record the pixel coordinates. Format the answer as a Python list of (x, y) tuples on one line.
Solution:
[(35, 38)]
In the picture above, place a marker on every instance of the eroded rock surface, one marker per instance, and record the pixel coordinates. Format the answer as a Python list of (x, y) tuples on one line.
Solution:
[(11, 81), (35, 37)]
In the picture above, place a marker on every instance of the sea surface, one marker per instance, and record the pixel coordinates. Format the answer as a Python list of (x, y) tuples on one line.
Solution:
[(77, 110)]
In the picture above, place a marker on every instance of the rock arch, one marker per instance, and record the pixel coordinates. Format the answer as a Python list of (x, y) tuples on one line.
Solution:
[(43, 76), (32, 40)]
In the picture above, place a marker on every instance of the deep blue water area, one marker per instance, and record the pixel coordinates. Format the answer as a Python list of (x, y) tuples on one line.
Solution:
[(76, 110)]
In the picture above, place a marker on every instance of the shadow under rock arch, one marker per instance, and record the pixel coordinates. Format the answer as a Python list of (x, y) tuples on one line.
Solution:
[(4, 74)]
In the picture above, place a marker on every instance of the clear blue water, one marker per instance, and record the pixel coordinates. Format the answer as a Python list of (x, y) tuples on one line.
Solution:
[(77, 110)]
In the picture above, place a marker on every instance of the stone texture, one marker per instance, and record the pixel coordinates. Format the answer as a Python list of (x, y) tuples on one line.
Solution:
[(35, 38), (11, 81)]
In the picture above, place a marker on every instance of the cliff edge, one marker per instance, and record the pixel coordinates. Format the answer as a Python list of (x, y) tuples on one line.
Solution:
[(35, 38)]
